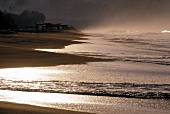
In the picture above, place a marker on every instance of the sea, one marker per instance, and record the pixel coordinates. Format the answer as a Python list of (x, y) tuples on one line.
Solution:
[(135, 79)]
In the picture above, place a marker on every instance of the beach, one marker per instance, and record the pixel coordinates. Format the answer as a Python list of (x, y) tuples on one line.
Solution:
[(102, 74), (59, 102), (18, 50), (84, 57), (13, 108)]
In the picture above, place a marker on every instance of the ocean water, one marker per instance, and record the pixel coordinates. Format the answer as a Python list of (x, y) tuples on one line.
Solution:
[(139, 67)]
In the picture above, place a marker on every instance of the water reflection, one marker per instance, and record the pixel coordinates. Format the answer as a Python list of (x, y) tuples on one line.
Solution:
[(21, 97), (33, 73), (105, 72), (92, 104)]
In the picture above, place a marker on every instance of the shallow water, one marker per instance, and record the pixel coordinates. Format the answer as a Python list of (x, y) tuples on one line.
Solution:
[(139, 47), (104, 78)]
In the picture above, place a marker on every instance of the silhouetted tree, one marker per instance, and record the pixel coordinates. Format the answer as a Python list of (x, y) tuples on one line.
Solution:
[(1, 17), (26, 18), (30, 18), (6, 20)]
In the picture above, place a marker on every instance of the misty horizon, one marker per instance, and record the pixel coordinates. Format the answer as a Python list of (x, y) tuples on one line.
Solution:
[(98, 14)]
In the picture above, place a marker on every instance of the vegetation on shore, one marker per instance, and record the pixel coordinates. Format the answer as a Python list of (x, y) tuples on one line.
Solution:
[(10, 20)]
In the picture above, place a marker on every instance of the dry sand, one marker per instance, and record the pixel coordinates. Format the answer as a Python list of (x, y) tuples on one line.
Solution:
[(18, 50)]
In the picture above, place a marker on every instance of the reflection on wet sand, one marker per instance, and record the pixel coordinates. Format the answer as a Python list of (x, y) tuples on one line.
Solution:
[(30, 73), (85, 103)]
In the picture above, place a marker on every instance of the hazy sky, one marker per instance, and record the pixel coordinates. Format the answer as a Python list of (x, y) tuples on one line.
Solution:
[(112, 14)]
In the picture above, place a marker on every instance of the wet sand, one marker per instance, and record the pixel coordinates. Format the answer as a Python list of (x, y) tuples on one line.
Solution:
[(18, 50), (13, 108)]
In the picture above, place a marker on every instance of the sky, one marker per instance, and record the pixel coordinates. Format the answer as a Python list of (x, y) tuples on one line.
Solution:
[(99, 14)]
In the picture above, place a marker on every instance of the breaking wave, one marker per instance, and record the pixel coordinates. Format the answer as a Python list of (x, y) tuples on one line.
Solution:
[(129, 90)]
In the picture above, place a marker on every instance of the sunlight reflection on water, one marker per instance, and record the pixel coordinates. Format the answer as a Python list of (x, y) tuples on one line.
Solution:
[(85, 103), (110, 72), (40, 97), (34, 73)]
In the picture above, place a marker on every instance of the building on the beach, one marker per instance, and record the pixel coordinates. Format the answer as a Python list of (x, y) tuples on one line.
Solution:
[(39, 27), (49, 27), (30, 28)]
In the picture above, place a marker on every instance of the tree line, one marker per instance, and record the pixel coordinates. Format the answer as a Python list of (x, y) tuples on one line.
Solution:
[(26, 18)]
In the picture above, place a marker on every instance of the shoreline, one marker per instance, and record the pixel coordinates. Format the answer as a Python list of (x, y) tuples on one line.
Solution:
[(18, 50), (57, 103)]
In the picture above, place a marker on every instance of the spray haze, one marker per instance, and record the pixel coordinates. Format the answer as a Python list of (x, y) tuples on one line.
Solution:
[(99, 14)]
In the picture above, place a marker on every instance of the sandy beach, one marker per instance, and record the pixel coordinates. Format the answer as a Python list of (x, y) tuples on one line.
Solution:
[(84, 57), (27, 69), (18, 50)]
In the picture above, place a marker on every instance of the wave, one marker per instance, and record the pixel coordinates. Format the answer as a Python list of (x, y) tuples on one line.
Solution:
[(152, 59), (129, 90), (145, 48)]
